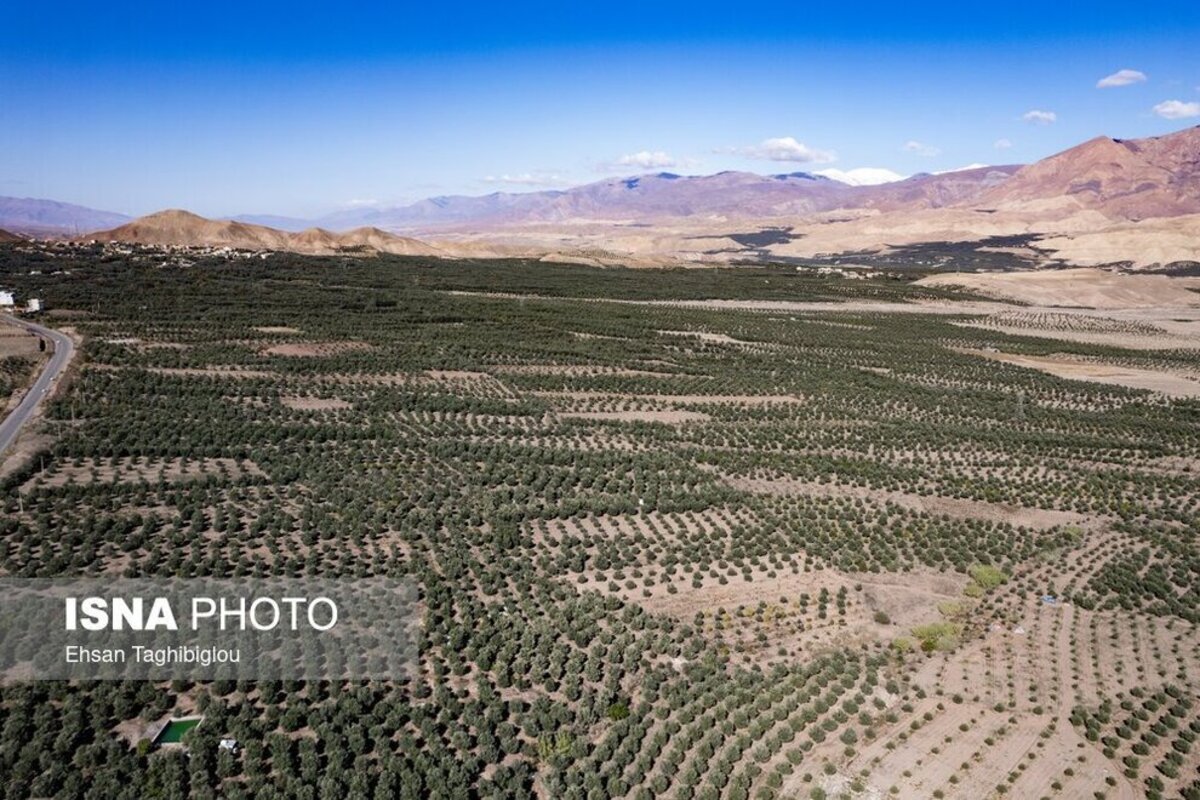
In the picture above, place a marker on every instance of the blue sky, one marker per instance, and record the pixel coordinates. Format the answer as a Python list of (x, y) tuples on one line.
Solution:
[(305, 108)]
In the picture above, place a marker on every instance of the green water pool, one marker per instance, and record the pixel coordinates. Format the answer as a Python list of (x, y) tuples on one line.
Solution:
[(176, 728)]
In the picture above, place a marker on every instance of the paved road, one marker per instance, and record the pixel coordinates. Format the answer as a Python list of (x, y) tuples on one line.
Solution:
[(63, 349)]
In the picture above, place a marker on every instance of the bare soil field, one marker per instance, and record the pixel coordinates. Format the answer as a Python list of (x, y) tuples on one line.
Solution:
[(15, 342), (1085, 288), (1168, 383), (908, 598), (315, 349), (315, 403)]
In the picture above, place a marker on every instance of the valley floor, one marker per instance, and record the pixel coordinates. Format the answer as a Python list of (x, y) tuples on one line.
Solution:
[(737, 533)]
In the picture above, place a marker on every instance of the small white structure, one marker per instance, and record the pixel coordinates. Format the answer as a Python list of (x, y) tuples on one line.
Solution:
[(34, 305), (7, 300), (228, 744)]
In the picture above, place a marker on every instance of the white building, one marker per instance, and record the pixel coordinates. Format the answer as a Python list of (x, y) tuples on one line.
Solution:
[(7, 300), (34, 305)]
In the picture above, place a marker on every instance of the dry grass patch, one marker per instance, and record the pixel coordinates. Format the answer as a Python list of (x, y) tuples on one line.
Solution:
[(795, 613)]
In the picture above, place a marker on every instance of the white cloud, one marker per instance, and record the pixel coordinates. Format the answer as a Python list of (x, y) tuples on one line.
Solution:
[(1002, 144), (863, 176), (1122, 77), (527, 179), (929, 151), (1039, 117), (1177, 109), (786, 148), (646, 159)]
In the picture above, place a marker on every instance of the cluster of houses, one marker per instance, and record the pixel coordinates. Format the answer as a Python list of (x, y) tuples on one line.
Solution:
[(175, 251), (8, 302), (162, 255), (851, 271)]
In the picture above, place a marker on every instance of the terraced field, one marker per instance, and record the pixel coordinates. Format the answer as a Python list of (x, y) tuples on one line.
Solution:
[(783, 546)]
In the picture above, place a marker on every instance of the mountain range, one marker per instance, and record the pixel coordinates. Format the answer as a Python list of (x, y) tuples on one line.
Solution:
[(36, 217), (660, 195), (1106, 200)]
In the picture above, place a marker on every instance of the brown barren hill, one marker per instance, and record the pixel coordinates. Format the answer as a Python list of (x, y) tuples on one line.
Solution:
[(1121, 178), (185, 229), (5, 236), (384, 242)]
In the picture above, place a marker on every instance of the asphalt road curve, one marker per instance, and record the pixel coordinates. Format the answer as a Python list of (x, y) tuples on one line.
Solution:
[(11, 427)]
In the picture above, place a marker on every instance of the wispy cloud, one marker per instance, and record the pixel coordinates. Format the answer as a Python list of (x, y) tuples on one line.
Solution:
[(921, 149), (785, 148), (647, 159), (1002, 144), (862, 176), (1122, 77), (1177, 109), (1039, 117), (527, 179)]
